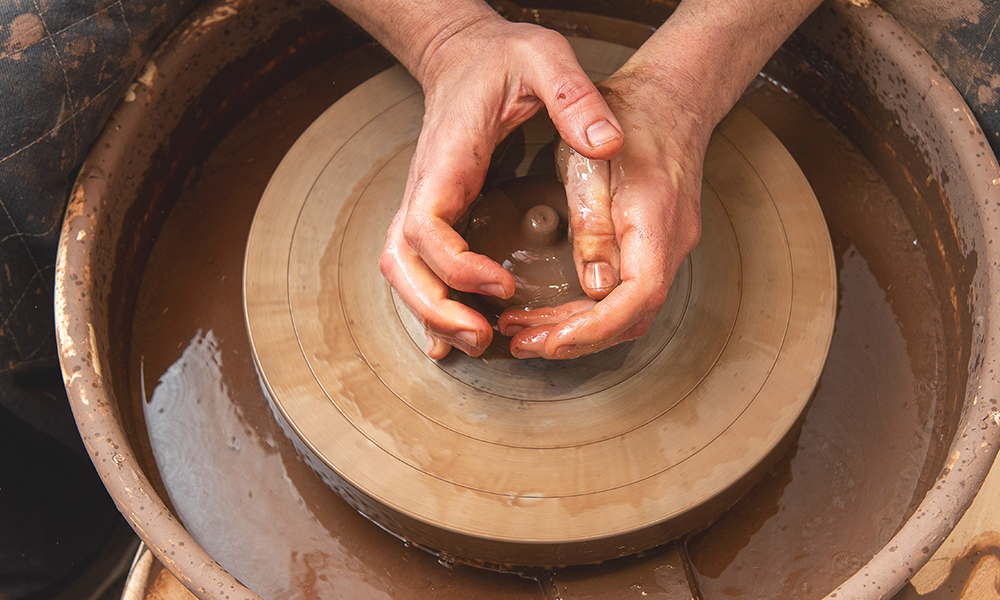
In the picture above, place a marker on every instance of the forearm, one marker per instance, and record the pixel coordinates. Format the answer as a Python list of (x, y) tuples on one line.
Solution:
[(708, 51), (412, 30)]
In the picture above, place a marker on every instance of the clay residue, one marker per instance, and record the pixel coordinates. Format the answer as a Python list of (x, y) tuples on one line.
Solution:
[(962, 37), (834, 502), (236, 482), (928, 20), (24, 30), (165, 586), (271, 521), (219, 15), (974, 575)]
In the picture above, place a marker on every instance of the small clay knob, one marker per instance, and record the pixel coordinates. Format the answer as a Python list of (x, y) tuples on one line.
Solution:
[(540, 225), (522, 225)]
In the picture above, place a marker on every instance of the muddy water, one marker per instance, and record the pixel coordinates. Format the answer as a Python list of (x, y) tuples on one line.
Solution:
[(846, 487), (238, 485), (522, 225)]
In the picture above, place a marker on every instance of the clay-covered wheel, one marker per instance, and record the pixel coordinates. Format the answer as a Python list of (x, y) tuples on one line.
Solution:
[(534, 463)]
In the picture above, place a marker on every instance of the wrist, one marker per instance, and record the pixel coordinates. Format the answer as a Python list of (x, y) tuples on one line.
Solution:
[(452, 42), (708, 51), (696, 87), (664, 97), (413, 31)]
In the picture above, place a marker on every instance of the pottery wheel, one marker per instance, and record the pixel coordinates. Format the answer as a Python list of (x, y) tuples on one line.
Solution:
[(506, 462)]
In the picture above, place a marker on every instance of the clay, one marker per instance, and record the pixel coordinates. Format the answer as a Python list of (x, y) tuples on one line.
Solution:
[(848, 485), (522, 225), (201, 250), (204, 410), (724, 372)]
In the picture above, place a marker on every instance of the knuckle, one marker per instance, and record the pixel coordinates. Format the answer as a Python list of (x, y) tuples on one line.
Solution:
[(691, 234), (455, 280), (414, 230), (436, 325), (592, 227), (387, 265), (542, 42), (460, 271), (638, 330), (575, 94), (656, 297), (595, 247)]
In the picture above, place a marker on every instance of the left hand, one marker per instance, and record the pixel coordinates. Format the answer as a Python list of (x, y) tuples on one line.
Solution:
[(634, 220)]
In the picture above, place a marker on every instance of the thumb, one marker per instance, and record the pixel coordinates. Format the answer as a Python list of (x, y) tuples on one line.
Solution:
[(595, 246), (575, 105)]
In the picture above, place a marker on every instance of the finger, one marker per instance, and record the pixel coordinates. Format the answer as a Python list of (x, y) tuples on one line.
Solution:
[(628, 310), (648, 265), (609, 323), (588, 194), (575, 105), (531, 342), (446, 174), (513, 320), (447, 255), (436, 347), (448, 323), (530, 328)]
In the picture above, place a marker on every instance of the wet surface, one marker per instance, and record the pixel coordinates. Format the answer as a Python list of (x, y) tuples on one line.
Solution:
[(240, 488), (847, 487), (522, 225), (234, 479)]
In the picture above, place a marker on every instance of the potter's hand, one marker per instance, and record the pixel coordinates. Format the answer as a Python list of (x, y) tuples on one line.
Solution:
[(634, 220), (480, 83), (483, 76)]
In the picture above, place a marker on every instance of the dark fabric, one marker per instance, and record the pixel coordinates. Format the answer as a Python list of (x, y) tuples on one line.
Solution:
[(963, 37), (64, 64), (54, 512)]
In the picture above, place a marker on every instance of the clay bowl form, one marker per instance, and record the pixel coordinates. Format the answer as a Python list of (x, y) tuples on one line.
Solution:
[(853, 64)]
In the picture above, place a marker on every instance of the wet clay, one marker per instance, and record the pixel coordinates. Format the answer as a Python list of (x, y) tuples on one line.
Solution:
[(522, 225), (847, 486), (234, 479), (245, 494)]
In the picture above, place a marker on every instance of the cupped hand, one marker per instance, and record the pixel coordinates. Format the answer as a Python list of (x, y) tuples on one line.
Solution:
[(481, 80), (634, 219)]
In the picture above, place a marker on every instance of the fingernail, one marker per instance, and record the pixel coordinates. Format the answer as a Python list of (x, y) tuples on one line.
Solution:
[(599, 276), (564, 350), (601, 133), (493, 289), (525, 354), (469, 337), (513, 330)]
